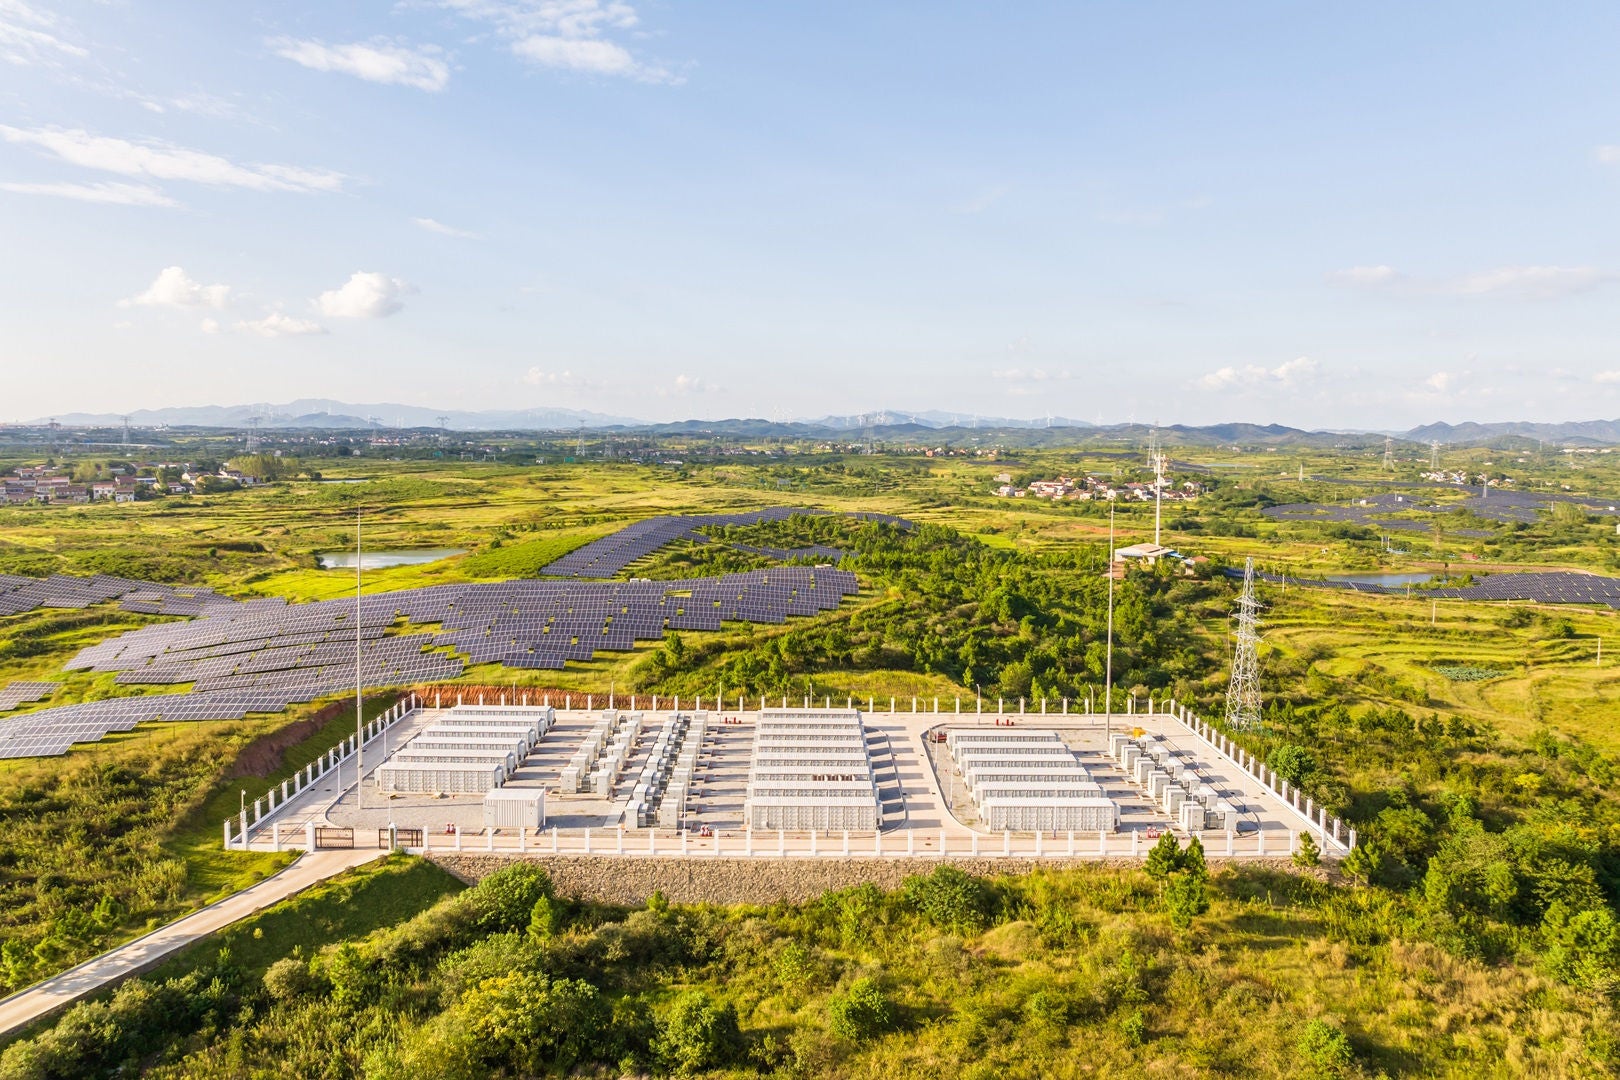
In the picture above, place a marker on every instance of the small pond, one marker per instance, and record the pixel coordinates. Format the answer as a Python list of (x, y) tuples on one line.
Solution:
[(377, 560), (1382, 579)]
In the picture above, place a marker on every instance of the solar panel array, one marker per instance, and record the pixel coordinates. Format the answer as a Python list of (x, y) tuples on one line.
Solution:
[(608, 556), (1503, 505), (1552, 587), (22, 693), (20, 594), (259, 656)]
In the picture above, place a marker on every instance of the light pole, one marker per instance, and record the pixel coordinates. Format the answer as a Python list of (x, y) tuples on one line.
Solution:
[(1108, 674)]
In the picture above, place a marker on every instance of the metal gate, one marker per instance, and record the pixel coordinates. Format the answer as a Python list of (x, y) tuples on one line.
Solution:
[(404, 838), (328, 837)]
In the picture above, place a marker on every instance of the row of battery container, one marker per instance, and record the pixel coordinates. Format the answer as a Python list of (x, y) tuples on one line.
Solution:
[(1172, 784), (1029, 781), (467, 750), (601, 757), (659, 797), (811, 770)]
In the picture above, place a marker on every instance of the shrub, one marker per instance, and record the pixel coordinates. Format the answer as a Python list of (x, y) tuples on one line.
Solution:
[(1308, 854), (1133, 1025), (950, 899), (697, 1035), (290, 978), (860, 1013), (505, 900), (1325, 1049), (1583, 947)]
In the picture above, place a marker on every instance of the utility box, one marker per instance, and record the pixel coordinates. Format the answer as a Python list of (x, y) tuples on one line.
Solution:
[(515, 808)]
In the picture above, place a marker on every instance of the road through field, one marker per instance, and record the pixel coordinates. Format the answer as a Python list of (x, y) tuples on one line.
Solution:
[(26, 1006)]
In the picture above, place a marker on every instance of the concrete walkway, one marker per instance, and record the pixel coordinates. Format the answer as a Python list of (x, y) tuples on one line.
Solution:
[(26, 1006)]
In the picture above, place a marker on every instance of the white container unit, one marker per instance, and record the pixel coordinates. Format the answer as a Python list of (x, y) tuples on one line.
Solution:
[(507, 760), (440, 778), (515, 808), (1052, 814)]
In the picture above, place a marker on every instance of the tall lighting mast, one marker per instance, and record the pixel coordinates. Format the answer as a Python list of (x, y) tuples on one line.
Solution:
[(1108, 670), (359, 727)]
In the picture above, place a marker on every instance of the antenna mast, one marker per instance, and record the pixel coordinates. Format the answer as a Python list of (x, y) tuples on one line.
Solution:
[(1389, 453), (1108, 670), (126, 432), (1243, 692)]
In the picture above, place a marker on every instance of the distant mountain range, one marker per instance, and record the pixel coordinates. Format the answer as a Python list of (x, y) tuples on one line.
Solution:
[(882, 424), (325, 413)]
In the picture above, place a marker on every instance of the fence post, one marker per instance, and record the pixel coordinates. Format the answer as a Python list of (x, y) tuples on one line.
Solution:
[(1102, 841), (1040, 837), (1136, 842), (227, 834), (846, 841), (1260, 836), (877, 842), (554, 839), (587, 839), (458, 837), (309, 836), (781, 842), (1229, 840), (911, 842)]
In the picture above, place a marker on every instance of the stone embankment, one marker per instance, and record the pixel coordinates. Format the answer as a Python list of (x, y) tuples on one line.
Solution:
[(630, 880)]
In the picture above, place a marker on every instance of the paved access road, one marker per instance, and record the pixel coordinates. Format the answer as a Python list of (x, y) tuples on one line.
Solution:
[(26, 1006)]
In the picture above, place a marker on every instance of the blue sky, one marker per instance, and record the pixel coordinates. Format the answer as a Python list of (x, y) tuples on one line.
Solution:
[(1366, 217)]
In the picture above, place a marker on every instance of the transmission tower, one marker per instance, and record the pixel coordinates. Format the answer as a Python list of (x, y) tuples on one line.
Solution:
[(1243, 692), (125, 419), (1156, 454), (443, 420), (253, 435), (1389, 453), (1434, 453), (579, 443)]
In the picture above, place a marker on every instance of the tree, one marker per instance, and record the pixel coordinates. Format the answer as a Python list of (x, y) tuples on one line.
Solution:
[(1186, 896), (1364, 863), (1308, 854), (1164, 858), (861, 1013), (1293, 763)]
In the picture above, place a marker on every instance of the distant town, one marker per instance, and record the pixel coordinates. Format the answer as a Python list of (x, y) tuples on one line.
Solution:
[(119, 483)]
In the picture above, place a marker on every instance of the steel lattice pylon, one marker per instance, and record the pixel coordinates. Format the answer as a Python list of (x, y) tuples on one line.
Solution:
[(1243, 692)]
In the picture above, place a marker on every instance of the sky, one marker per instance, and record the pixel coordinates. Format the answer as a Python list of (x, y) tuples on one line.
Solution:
[(1354, 216)]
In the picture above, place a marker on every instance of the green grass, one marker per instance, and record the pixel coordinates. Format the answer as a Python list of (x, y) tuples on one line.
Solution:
[(213, 872), (381, 893)]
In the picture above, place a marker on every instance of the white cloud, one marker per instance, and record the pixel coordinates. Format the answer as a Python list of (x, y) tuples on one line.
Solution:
[(209, 326), (442, 229), (1250, 376), (277, 324), (1365, 276), (366, 295), (27, 37), (1514, 282), (1607, 377), (1608, 155), (378, 61), (687, 384), (109, 192), (537, 377), (163, 161), (566, 35), (1531, 282), (174, 288), (1440, 381), (1030, 375)]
